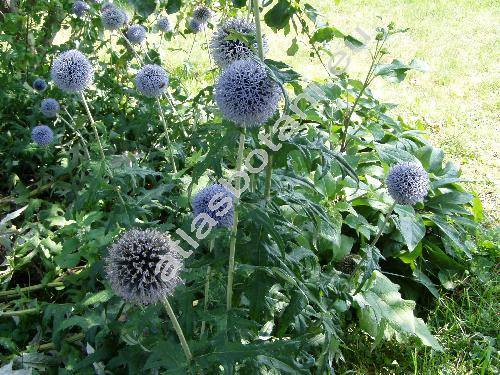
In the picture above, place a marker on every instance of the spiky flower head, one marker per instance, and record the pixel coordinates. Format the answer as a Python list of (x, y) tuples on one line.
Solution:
[(195, 25), (80, 8), (152, 80), (136, 34), (72, 71), (39, 84), (227, 51), (217, 202), (113, 18), (164, 25), (408, 183), (143, 266), (49, 107), (42, 135), (246, 95), (202, 14)]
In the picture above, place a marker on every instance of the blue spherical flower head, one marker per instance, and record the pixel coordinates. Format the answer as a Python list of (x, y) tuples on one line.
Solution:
[(246, 95), (202, 14), (217, 202), (39, 84), (136, 34), (49, 107), (408, 183), (164, 25), (42, 135), (227, 51), (143, 266), (80, 8), (72, 71), (152, 80), (195, 25), (113, 18)]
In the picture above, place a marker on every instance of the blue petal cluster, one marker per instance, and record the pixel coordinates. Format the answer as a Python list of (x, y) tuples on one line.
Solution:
[(143, 266), (113, 18), (49, 107), (202, 14), (217, 202), (80, 8), (164, 25), (72, 71), (195, 25), (39, 84), (42, 135), (152, 80), (246, 95), (408, 183), (227, 51), (136, 34)]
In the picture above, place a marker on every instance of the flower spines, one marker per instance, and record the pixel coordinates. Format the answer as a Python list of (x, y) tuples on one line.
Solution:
[(202, 14), (246, 95), (143, 266), (42, 135), (113, 18), (39, 84), (136, 34), (217, 202), (80, 8), (164, 25), (408, 183), (195, 25), (152, 80), (72, 71), (49, 107)]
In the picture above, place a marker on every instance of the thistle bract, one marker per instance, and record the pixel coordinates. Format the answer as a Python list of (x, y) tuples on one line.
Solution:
[(80, 8), (72, 71), (164, 25), (202, 14), (217, 202), (246, 95), (143, 266), (152, 80), (226, 50), (195, 25), (136, 34), (49, 107), (39, 84), (408, 183), (42, 135), (113, 18)]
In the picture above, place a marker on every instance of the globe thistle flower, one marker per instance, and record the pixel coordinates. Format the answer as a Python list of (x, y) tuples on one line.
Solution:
[(195, 25), (152, 80), (164, 25), (408, 183), (72, 71), (136, 34), (143, 266), (202, 14), (42, 135), (217, 202), (80, 8), (113, 18), (246, 95), (49, 107), (227, 51), (39, 84)]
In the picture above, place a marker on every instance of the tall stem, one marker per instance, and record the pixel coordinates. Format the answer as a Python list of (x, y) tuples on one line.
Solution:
[(73, 128), (234, 229), (132, 48), (178, 329), (382, 227), (167, 137), (207, 288)]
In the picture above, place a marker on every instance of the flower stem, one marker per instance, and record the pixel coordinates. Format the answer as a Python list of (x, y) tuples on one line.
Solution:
[(382, 227), (178, 329), (167, 137), (139, 59), (32, 288), (18, 312), (234, 229), (207, 288)]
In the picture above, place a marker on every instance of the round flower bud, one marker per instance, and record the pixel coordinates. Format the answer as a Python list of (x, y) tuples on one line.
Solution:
[(227, 51), (164, 25), (42, 135), (39, 84), (246, 95), (217, 202), (72, 71), (152, 80), (80, 8), (49, 107), (136, 34), (195, 25), (143, 266), (408, 183), (202, 14), (113, 18)]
